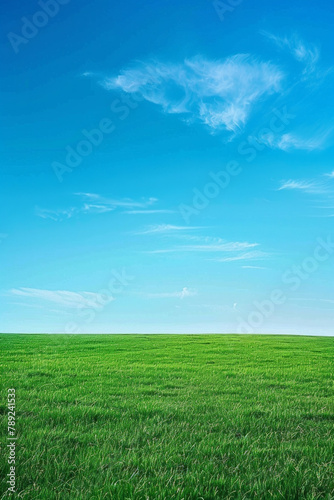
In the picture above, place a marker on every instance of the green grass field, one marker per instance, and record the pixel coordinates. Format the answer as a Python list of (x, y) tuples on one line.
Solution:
[(170, 416)]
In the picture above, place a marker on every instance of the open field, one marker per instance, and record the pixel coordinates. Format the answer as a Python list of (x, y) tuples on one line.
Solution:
[(170, 417)]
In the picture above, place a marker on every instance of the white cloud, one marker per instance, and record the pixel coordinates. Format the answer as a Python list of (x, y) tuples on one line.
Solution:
[(312, 187), (185, 292), (219, 94), (331, 301), (148, 212), (286, 142), (209, 245), (216, 247), (256, 255), (108, 203), (62, 297), (254, 267), (166, 228), (235, 250), (303, 52), (57, 214), (94, 203)]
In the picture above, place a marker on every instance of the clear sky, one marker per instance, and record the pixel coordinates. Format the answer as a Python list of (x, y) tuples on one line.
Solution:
[(167, 166)]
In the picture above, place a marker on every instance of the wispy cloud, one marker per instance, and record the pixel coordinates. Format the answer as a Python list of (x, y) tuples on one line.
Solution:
[(305, 53), (254, 267), (287, 142), (209, 245), (112, 204), (304, 299), (255, 255), (72, 300), (57, 214), (149, 211), (166, 229), (310, 186), (185, 292), (93, 203), (317, 303), (219, 94), (321, 188)]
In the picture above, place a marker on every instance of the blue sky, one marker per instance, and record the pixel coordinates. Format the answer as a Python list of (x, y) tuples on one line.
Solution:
[(167, 167)]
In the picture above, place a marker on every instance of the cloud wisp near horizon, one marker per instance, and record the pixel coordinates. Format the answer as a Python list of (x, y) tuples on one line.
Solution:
[(92, 203), (64, 298)]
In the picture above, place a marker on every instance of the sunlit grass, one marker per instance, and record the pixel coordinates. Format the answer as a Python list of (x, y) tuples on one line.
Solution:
[(170, 417)]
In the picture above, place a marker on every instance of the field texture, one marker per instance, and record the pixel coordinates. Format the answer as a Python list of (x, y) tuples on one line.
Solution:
[(169, 417)]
